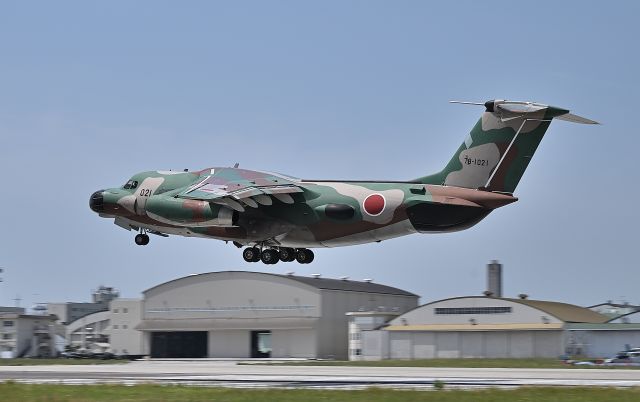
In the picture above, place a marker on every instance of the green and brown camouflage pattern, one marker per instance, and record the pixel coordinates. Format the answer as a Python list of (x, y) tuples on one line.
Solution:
[(268, 209)]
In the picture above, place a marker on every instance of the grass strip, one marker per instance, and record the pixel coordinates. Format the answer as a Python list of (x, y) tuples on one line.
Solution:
[(11, 391)]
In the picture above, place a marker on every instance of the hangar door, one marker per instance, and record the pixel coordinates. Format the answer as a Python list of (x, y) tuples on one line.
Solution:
[(179, 344)]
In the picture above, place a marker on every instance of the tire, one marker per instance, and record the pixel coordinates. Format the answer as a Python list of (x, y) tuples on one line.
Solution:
[(251, 254), (145, 238), (287, 254), (304, 256), (269, 256)]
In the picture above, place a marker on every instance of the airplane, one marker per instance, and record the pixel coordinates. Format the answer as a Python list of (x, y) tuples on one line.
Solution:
[(281, 218)]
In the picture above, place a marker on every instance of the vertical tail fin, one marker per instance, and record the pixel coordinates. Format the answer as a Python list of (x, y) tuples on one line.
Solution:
[(500, 146)]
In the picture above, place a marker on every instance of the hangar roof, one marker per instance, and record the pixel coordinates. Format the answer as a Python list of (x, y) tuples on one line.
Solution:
[(317, 282), (568, 313), (564, 311), (348, 285)]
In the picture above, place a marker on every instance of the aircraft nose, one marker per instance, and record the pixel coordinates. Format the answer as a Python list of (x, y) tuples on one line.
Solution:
[(96, 202)]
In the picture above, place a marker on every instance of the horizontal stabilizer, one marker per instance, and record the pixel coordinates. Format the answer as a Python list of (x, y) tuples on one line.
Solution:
[(510, 110), (576, 119)]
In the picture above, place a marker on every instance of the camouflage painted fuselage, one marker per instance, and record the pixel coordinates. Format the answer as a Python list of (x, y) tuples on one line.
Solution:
[(267, 209), (323, 214)]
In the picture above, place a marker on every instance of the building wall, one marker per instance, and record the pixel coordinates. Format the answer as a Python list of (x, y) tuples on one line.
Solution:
[(333, 333), (234, 295), (382, 344), (601, 343), (29, 335), (229, 343), (230, 305), (298, 343), (125, 315), (364, 321), (375, 345), (89, 329), (69, 312)]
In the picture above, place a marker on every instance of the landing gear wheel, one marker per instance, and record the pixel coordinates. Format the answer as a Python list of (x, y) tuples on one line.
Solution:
[(287, 254), (304, 256), (269, 256), (142, 239), (251, 254)]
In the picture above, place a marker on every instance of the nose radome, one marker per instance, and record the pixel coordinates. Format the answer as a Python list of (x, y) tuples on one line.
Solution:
[(96, 202)]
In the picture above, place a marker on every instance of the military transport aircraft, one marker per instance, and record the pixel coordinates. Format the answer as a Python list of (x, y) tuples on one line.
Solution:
[(279, 218)]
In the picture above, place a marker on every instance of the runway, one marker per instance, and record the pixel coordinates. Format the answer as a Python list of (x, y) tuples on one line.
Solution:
[(230, 374)]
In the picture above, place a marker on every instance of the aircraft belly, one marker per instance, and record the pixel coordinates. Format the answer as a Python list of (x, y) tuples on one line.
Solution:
[(397, 229), (178, 231)]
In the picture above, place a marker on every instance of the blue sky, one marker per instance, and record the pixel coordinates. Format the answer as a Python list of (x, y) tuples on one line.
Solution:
[(93, 92)]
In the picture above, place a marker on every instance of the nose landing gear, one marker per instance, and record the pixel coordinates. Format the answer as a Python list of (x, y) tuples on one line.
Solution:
[(271, 256), (142, 239)]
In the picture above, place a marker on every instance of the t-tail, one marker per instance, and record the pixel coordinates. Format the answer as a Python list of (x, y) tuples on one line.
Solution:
[(499, 148)]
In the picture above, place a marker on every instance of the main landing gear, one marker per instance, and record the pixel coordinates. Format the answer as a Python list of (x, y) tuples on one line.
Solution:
[(272, 256)]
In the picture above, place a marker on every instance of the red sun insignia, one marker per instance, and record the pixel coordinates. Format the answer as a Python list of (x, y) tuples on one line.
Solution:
[(374, 204)]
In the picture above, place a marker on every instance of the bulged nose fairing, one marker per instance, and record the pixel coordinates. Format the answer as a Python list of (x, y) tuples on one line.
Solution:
[(96, 201)]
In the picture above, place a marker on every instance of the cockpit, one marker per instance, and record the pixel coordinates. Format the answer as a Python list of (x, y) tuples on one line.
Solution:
[(131, 184)]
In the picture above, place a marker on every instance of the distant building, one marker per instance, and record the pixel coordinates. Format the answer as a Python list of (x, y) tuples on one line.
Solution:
[(364, 321), (614, 310), (24, 335), (126, 315), (241, 314), (70, 311), (491, 327)]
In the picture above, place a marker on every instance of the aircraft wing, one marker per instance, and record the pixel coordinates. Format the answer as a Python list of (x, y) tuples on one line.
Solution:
[(237, 188)]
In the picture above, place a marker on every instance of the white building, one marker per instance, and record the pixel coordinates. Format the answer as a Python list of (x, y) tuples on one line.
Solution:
[(251, 314), (125, 316), (68, 312), (480, 327), (25, 335), (364, 321), (112, 330)]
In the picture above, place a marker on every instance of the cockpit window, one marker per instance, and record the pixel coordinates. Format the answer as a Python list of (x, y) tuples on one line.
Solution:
[(131, 184)]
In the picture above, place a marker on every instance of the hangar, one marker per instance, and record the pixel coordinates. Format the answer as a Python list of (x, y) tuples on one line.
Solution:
[(479, 326), (239, 314)]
